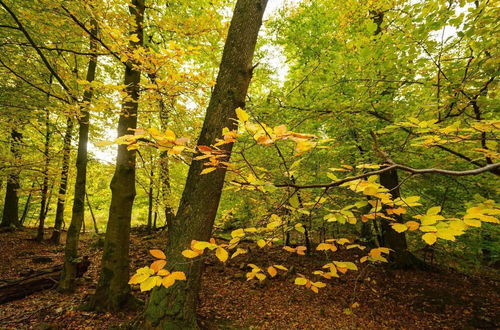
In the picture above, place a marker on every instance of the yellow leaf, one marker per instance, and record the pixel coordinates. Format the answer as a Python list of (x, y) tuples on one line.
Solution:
[(300, 281), (138, 278), (208, 170), (190, 254), (472, 223), (446, 234), (221, 254), (260, 276), (238, 233), (319, 284), (149, 283), (158, 254), (399, 227), (281, 267), (434, 210), (429, 238), (242, 115), (238, 252), (158, 264), (272, 271), (314, 289), (261, 243)]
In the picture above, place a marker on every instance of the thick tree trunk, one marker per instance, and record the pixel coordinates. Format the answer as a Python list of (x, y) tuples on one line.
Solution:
[(113, 290), (175, 308), (45, 184), (61, 197), (10, 216), (68, 275)]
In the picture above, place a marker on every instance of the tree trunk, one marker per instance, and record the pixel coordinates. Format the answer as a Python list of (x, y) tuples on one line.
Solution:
[(113, 290), (10, 216), (27, 205), (68, 275), (175, 307), (96, 229), (61, 197), (45, 184), (150, 199), (400, 257)]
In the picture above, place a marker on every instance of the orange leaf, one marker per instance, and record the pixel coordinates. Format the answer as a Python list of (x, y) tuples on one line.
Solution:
[(158, 264), (158, 254)]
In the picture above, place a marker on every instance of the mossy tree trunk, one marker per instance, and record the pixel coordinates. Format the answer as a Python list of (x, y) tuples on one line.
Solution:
[(113, 290), (175, 308), (63, 184), (68, 275), (10, 215)]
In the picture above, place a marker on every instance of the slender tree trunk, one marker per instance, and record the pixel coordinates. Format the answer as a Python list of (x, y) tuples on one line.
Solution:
[(175, 307), (45, 184), (113, 290), (68, 275), (150, 198), (10, 217), (61, 197), (27, 205), (96, 229)]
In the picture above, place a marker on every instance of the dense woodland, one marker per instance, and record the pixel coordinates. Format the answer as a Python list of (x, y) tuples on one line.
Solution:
[(249, 164)]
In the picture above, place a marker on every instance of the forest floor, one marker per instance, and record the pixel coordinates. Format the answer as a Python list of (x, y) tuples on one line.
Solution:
[(387, 298)]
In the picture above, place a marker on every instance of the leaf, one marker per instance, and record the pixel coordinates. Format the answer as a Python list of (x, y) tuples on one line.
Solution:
[(157, 265), (168, 281), (138, 278), (190, 254), (149, 283), (281, 267), (238, 252), (238, 233), (158, 254), (261, 243), (434, 210), (472, 223), (221, 254), (208, 170), (301, 281), (260, 276), (163, 272), (180, 276), (242, 115), (429, 238), (412, 225), (272, 271), (399, 227)]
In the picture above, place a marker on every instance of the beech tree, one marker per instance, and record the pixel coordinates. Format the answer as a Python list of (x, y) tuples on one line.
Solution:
[(176, 307)]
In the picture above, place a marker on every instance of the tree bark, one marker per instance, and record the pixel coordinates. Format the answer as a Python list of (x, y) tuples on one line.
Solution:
[(113, 290), (68, 275), (175, 307), (61, 197), (10, 216), (400, 256), (45, 184)]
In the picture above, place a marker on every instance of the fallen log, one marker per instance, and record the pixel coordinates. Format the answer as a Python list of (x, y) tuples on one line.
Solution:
[(41, 280)]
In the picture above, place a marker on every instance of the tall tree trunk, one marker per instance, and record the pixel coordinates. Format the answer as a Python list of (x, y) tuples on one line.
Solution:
[(45, 183), (61, 197), (150, 197), (68, 275), (10, 217), (113, 290), (175, 307)]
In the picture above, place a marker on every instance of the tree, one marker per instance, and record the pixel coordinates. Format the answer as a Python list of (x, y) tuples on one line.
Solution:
[(10, 216), (113, 291), (68, 275), (176, 307)]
